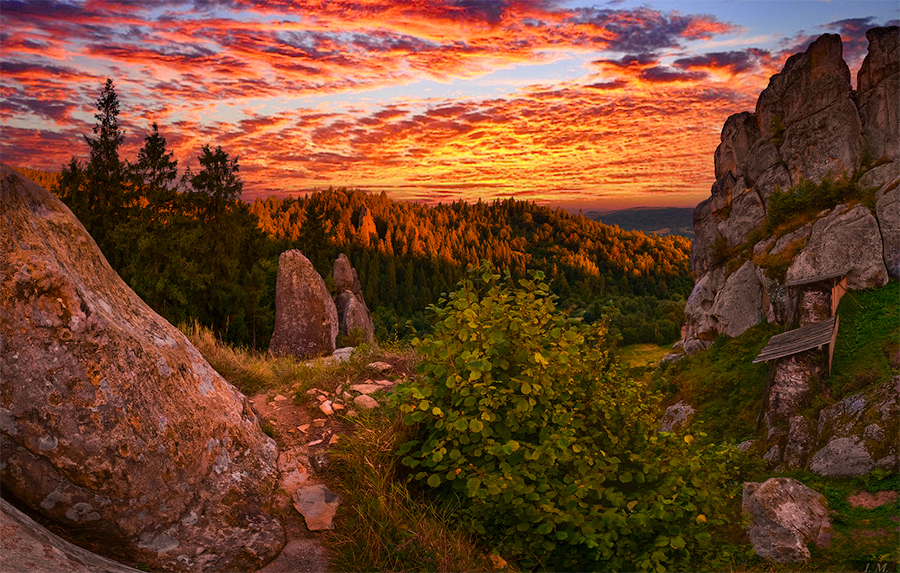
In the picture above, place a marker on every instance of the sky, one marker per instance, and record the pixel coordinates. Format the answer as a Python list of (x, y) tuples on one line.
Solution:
[(579, 104)]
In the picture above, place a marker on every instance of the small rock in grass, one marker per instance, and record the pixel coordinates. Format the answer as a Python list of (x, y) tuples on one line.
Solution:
[(380, 366), (314, 443), (366, 388), (326, 408), (365, 402), (334, 439), (319, 422), (321, 397), (304, 428), (280, 398), (352, 413), (337, 406)]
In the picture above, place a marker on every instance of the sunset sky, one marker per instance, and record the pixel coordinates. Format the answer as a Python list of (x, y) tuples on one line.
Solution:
[(572, 103)]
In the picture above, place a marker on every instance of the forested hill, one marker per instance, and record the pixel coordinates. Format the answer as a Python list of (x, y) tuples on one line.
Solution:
[(659, 220), (407, 254)]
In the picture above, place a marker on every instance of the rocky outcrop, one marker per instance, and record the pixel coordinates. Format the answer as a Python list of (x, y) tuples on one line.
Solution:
[(859, 433), (111, 420), (353, 314), (848, 238), (29, 546), (808, 125), (785, 515), (306, 319)]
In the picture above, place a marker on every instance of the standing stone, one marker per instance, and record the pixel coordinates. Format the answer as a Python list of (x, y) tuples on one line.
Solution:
[(306, 320), (353, 314), (111, 421), (785, 515)]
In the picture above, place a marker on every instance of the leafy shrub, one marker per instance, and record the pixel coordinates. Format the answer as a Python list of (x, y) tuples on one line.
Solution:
[(556, 460)]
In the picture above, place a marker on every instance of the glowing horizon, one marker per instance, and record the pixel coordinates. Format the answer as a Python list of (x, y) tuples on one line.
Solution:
[(575, 104)]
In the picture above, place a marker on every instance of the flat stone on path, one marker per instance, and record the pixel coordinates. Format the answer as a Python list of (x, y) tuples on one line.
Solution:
[(365, 402), (366, 388), (317, 504)]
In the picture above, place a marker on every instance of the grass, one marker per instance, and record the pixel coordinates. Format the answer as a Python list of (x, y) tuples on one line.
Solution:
[(384, 525), (641, 355), (868, 333)]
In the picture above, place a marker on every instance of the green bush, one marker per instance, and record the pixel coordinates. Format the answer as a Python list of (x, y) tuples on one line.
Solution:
[(806, 197), (556, 460)]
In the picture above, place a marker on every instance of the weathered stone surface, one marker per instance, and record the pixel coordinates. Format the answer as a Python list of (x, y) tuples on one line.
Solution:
[(110, 418), (847, 238), (878, 83), (842, 457), (318, 505), (785, 515), (306, 320), (827, 143), (791, 383), (747, 214), (28, 546), (705, 234), (699, 305), (345, 277), (676, 416), (353, 314), (739, 133), (738, 304), (366, 388), (858, 430), (801, 438), (887, 209), (365, 402)]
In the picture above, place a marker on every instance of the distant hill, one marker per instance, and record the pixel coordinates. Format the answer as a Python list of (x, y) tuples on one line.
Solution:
[(659, 220)]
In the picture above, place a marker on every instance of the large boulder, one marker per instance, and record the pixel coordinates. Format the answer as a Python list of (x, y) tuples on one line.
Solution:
[(29, 546), (848, 238), (785, 515), (353, 314), (306, 319), (738, 305), (112, 422)]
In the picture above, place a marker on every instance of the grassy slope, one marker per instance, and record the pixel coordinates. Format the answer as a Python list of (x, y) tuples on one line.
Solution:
[(726, 388)]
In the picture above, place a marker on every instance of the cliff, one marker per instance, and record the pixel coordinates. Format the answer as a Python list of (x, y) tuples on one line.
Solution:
[(806, 185)]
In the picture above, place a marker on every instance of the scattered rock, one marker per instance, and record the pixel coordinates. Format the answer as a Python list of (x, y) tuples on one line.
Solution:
[(318, 505), (343, 354), (366, 388), (334, 439), (676, 416), (365, 402), (842, 457), (304, 428), (306, 320), (314, 443), (785, 515), (746, 445), (380, 366), (671, 358), (116, 422), (326, 408), (280, 398), (319, 422)]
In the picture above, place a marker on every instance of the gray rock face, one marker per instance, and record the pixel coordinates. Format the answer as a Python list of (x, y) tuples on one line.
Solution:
[(111, 420), (738, 304), (801, 437), (847, 238), (353, 314), (29, 546), (809, 124), (887, 208), (676, 416), (785, 515), (857, 431), (306, 320), (878, 84)]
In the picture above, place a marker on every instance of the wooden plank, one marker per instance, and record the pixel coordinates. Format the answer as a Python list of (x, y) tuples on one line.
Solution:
[(818, 278), (804, 338), (837, 322), (836, 293)]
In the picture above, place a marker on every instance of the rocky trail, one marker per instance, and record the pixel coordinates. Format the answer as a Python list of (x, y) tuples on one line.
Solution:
[(305, 429)]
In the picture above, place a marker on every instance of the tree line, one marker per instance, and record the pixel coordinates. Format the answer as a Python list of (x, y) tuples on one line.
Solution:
[(193, 250)]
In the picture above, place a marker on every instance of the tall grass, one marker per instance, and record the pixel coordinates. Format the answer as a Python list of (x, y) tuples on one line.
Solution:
[(383, 525)]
